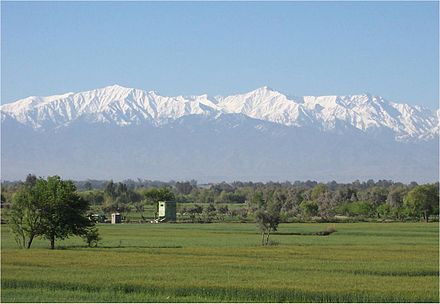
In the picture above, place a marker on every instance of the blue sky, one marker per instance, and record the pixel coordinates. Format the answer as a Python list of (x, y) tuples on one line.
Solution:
[(384, 48)]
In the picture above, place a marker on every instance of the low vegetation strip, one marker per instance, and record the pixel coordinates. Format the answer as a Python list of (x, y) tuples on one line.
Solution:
[(220, 294), (327, 231)]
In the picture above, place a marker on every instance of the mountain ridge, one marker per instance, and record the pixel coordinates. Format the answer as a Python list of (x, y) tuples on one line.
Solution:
[(124, 106)]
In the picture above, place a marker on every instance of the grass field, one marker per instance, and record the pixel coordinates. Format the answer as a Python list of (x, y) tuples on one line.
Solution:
[(362, 262)]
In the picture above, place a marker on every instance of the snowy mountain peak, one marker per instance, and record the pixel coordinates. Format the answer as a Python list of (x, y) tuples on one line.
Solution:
[(123, 106)]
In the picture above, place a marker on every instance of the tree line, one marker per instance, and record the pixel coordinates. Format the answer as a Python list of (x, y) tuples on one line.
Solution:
[(298, 201), (55, 209)]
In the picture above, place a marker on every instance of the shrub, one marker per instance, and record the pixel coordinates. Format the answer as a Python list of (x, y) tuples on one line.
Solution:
[(92, 237)]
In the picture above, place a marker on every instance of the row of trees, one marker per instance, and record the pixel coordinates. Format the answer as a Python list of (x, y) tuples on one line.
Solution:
[(299, 201), (51, 209)]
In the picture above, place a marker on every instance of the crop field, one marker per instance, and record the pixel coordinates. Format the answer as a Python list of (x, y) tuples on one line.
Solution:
[(361, 262)]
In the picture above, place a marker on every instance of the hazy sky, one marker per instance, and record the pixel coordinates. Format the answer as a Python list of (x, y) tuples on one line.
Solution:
[(389, 49)]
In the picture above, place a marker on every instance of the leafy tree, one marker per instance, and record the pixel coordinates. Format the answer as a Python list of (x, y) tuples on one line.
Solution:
[(25, 214), (110, 189), (63, 211), (31, 180), (48, 208), (258, 200), (203, 196), (395, 200), (423, 200), (293, 200), (374, 195), (318, 191), (184, 187), (326, 204), (155, 195), (263, 222), (230, 198), (91, 236), (359, 208), (308, 209), (95, 198), (268, 220), (384, 210)]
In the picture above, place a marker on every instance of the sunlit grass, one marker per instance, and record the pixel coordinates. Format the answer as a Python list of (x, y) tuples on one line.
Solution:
[(364, 262)]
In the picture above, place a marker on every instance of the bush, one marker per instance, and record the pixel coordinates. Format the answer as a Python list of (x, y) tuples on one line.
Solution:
[(92, 237)]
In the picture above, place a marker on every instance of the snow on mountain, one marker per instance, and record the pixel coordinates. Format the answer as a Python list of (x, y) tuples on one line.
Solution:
[(113, 104), (126, 106)]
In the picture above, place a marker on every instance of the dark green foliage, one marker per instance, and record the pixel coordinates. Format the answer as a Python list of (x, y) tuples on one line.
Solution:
[(195, 213), (355, 209), (25, 214), (423, 200), (50, 209), (155, 195), (308, 209), (300, 201), (184, 187), (63, 210), (230, 198), (91, 236)]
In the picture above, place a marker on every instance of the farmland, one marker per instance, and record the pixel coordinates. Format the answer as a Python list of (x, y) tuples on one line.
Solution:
[(223, 262)]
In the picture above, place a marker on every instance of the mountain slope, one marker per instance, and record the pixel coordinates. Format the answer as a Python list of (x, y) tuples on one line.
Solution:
[(126, 106), (118, 133)]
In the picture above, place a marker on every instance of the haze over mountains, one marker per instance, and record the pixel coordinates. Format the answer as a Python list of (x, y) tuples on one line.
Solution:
[(117, 132)]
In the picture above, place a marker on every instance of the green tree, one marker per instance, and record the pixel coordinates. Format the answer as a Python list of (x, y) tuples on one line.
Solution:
[(360, 208), (155, 195), (25, 215), (63, 211), (395, 200), (184, 187), (91, 236), (318, 190), (268, 220), (384, 210), (375, 196), (422, 200), (257, 200), (48, 208), (308, 209)]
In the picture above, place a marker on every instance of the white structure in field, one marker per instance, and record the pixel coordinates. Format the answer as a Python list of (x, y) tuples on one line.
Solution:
[(116, 218)]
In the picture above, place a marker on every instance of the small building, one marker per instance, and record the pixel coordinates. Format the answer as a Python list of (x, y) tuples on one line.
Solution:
[(167, 211), (116, 218)]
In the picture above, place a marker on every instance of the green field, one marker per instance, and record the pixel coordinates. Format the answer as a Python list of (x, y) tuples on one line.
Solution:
[(362, 262)]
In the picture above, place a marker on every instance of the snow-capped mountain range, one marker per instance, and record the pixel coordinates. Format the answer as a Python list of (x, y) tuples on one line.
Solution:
[(123, 106), (116, 132)]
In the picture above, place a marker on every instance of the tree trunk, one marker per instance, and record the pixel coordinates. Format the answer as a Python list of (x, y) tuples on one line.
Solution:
[(426, 216), (31, 238), (267, 239), (262, 238), (52, 242)]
